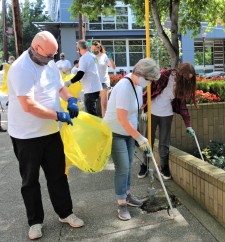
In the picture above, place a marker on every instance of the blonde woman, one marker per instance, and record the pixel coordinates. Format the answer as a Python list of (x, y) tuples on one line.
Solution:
[(104, 62)]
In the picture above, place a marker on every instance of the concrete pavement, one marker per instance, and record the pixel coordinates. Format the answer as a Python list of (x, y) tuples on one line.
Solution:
[(93, 200)]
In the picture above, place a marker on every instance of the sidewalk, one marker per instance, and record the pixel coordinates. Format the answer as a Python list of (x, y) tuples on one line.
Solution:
[(93, 200)]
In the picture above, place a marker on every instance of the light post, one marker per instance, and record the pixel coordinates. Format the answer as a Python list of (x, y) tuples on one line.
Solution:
[(203, 39)]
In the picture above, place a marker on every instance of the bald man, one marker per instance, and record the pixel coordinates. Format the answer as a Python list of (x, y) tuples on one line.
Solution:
[(35, 86)]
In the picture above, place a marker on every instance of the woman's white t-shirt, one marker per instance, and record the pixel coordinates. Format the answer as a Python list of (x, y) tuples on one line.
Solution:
[(123, 97), (26, 78), (161, 104), (103, 63), (88, 63)]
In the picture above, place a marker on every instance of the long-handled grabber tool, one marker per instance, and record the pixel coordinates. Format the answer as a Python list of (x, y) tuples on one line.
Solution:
[(161, 180), (200, 152)]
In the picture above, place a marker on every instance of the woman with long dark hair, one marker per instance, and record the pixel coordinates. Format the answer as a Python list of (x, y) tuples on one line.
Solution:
[(169, 95)]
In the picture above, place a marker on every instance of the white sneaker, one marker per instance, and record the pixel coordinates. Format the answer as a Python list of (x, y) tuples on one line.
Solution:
[(35, 231), (73, 221)]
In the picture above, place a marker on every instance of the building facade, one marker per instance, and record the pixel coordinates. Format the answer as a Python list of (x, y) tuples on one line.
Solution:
[(118, 34), (126, 41), (205, 51)]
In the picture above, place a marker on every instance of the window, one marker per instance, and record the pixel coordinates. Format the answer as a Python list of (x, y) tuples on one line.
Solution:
[(199, 53), (125, 53), (136, 50), (123, 19)]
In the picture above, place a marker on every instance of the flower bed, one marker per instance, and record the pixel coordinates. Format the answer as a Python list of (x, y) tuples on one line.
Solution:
[(213, 153)]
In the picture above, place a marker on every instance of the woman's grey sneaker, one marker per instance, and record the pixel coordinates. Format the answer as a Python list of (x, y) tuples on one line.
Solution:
[(35, 231), (133, 201), (72, 220), (143, 171), (123, 212)]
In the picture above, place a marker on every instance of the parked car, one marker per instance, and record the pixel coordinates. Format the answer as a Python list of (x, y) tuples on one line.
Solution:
[(214, 74)]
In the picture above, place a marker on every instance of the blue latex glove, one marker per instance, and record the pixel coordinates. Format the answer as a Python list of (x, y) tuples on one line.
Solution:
[(109, 54), (64, 117), (191, 132), (72, 107)]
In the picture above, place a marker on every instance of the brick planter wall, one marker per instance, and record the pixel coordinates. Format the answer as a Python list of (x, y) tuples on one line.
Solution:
[(204, 182), (208, 121)]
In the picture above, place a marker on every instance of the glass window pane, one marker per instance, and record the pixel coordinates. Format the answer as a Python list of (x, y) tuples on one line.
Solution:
[(107, 42), (95, 26), (122, 19), (95, 21), (121, 10), (135, 48), (134, 26), (119, 42), (122, 26), (135, 42), (108, 48), (120, 48), (120, 59), (108, 26), (135, 57), (198, 58), (209, 56)]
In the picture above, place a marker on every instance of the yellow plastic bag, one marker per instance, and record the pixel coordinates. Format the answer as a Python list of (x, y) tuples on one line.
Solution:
[(4, 87), (74, 89), (87, 144)]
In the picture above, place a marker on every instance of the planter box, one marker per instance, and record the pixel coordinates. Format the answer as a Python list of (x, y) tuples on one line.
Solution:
[(208, 121), (204, 182)]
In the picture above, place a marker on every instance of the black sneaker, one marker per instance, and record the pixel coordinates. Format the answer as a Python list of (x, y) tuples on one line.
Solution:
[(166, 175), (2, 130), (143, 171), (133, 201)]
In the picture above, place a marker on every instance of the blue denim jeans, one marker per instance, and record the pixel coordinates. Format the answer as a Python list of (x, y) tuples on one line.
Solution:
[(122, 155)]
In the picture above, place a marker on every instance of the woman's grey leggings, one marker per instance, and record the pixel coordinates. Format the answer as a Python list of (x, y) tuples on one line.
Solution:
[(164, 124)]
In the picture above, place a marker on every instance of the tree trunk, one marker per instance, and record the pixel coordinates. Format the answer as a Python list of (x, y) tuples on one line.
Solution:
[(173, 45), (5, 38), (17, 28)]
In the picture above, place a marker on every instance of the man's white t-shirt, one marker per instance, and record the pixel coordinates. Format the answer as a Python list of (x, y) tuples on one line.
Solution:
[(26, 78), (88, 63), (63, 65), (161, 104), (123, 97), (103, 63)]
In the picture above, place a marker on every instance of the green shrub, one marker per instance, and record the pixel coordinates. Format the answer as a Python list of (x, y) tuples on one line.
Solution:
[(213, 153), (204, 86), (215, 87), (219, 89)]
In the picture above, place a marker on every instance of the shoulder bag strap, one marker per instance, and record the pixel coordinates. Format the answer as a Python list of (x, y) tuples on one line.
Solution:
[(134, 90)]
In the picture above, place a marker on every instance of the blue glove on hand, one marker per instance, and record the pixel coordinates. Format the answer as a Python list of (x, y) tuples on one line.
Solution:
[(72, 107), (191, 132), (109, 54), (64, 117)]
